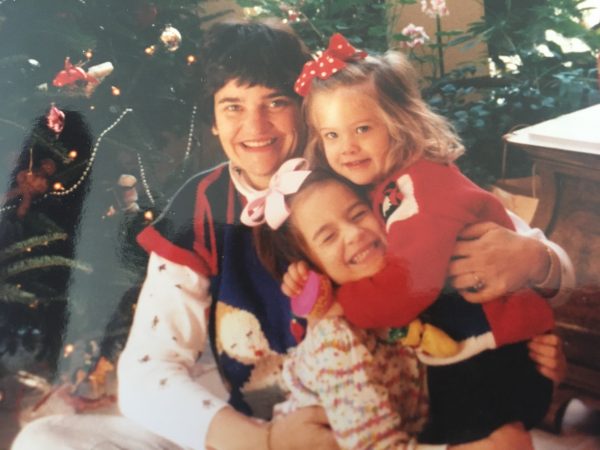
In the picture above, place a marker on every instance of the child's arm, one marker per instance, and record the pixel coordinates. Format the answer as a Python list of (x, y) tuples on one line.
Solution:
[(425, 208), (419, 253)]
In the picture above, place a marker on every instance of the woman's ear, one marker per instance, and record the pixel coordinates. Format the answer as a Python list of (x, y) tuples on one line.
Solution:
[(214, 130)]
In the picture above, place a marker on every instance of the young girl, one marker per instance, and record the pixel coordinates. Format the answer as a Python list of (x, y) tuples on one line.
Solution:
[(373, 391), (369, 123)]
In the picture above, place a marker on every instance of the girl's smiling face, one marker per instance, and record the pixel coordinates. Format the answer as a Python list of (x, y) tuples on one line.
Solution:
[(342, 235), (352, 132)]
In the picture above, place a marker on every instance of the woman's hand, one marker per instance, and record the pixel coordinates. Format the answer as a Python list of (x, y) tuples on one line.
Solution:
[(305, 428), (546, 350), (295, 278), (490, 261)]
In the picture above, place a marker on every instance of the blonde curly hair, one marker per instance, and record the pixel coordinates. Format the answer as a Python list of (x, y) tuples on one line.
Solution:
[(415, 130)]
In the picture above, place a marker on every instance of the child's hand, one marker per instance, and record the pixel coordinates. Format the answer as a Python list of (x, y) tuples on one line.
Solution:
[(547, 352), (295, 278)]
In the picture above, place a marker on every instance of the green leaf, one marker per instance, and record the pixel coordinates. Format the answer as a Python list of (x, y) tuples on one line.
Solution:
[(459, 40), (449, 33)]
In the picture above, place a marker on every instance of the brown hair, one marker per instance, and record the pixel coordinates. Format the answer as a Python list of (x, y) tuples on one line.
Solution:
[(277, 248), (415, 130), (264, 53)]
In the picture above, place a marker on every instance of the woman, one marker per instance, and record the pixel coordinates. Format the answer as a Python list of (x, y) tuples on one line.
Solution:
[(204, 278)]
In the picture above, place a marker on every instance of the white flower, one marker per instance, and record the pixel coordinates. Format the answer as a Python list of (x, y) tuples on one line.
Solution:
[(434, 8), (416, 34)]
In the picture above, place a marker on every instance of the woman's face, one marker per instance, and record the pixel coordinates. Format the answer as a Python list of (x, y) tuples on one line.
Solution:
[(258, 127), (344, 238)]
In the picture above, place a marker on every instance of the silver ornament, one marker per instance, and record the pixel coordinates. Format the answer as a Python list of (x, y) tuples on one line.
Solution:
[(171, 38)]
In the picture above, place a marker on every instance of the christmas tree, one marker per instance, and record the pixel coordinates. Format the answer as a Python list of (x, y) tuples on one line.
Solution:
[(97, 130)]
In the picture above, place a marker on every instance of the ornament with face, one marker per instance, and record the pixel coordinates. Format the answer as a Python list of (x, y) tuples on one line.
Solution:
[(31, 183)]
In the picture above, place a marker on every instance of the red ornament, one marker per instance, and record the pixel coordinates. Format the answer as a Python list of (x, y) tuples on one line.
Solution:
[(72, 74), (55, 119)]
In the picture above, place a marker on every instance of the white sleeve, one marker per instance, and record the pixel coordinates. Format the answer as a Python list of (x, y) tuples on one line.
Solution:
[(156, 386), (567, 272)]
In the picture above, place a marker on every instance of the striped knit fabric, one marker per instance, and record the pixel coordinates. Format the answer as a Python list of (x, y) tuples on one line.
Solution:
[(374, 393)]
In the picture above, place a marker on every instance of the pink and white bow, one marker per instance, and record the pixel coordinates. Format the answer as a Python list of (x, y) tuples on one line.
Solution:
[(269, 206), (332, 60)]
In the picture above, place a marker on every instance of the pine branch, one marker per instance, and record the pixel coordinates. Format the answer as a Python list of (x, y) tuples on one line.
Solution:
[(14, 294), (28, 244), (41, 262)]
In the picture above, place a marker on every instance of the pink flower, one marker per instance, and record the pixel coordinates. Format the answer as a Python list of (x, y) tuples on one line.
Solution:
[(416, 34), (434, 8)]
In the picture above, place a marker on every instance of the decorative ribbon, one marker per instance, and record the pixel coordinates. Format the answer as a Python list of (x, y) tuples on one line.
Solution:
[(332, 60), (269, 206)]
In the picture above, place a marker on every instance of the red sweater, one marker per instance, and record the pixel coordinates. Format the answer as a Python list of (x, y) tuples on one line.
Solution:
[(424, 207)]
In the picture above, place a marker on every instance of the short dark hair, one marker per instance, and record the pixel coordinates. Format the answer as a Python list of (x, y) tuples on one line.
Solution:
[(255, 53)]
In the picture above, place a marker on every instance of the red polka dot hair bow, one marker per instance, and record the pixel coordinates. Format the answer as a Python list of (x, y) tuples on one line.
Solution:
[(332, 60)]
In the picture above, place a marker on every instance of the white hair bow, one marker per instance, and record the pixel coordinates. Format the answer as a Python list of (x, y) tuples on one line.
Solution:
[(270, 205)]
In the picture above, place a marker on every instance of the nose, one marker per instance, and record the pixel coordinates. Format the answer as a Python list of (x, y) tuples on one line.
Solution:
[(354, 233), (350, 145), (257, 121)]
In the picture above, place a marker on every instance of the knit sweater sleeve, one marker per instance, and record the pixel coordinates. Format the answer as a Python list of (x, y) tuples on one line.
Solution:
[(156, 386), (433, 203), (340, 368), (567, 271)]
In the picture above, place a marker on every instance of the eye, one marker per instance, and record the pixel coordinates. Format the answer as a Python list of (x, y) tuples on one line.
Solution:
[(330, 135), (362, 129), (359, 214), (279, 103), (233, 108), (327, 238)]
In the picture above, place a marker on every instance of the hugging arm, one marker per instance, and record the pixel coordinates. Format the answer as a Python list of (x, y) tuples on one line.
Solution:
[(156, 388), (508, 261)]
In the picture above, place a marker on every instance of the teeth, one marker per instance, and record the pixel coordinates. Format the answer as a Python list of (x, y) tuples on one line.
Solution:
[(256, 144), (359, 257)]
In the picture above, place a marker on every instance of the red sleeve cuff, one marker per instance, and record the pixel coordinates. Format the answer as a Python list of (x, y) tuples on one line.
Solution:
[(152, 241)]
